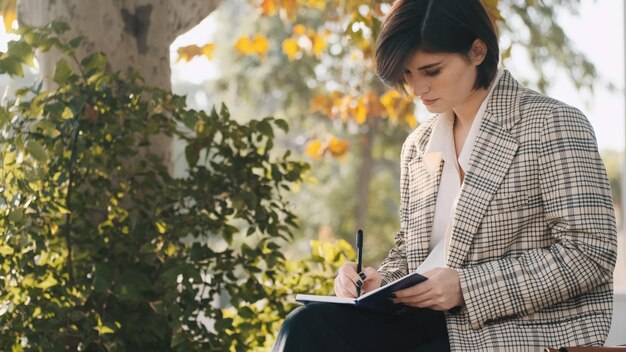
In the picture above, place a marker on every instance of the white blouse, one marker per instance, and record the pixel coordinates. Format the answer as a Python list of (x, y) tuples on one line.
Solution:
[(441, 146)]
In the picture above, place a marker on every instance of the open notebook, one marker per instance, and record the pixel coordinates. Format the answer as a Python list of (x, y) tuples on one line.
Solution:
[(377, 300)]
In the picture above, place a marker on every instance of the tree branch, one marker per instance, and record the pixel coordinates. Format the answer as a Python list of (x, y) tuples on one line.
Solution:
[(186, 14)]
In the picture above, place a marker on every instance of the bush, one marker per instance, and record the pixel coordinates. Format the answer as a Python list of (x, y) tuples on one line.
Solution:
[(102, 250)]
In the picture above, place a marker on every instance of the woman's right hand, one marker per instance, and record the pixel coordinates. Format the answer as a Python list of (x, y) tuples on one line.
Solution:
[(348, 280)]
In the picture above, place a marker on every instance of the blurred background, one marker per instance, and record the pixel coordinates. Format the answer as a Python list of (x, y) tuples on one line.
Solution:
[(355, 176)]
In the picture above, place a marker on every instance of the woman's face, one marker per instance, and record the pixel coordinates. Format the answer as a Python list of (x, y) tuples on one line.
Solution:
[(442, 81)]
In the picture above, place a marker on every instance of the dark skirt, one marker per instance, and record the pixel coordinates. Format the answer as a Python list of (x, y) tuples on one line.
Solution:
[(338, 327)]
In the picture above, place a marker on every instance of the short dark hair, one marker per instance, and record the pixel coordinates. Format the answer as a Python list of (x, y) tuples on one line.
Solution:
[(434, 26)]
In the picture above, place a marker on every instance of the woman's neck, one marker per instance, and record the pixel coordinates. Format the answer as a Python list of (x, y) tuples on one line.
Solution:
[(466, 112)]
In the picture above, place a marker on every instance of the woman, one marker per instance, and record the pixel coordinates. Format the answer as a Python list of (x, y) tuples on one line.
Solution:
[(505, 207)]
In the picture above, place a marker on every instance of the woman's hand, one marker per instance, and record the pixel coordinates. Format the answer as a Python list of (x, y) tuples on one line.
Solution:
[(442, 291), (348, 280)]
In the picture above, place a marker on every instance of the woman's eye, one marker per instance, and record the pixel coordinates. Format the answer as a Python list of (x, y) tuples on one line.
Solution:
[(431, 73)]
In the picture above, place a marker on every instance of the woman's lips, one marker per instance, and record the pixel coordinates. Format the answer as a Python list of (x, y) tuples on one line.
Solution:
[(429, 101)]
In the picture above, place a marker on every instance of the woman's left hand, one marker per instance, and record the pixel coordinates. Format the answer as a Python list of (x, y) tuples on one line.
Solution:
[(442, 291)]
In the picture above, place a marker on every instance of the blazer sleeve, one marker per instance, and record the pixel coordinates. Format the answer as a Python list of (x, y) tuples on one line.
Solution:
[(579, 215), (395, 265)]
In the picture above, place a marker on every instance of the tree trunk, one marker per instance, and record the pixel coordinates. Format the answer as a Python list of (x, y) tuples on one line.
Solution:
[(133, 34)]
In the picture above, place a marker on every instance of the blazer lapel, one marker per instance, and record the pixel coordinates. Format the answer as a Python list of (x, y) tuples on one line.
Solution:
[(425, 171), (491, 158)]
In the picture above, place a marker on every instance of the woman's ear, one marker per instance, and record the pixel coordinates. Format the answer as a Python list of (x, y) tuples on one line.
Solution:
[(477, 52)]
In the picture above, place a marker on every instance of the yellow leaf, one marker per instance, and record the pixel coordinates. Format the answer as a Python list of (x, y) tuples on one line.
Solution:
[(43, 258), (8, 13), (360, 115), (260, 45), (492, 10), (317, 4), (207, 50), (6, 250), (244, 46), (507, 52), (320, 103), (314, 149), (388, 100), (67, 114), (299, 29), (268, 7), (337, 147), (170, 249), (319, 44), (290, 48), (188, 52), (36, 312), (47, 283), (103, 329), (290, 9), (161, 227), (411, 120)]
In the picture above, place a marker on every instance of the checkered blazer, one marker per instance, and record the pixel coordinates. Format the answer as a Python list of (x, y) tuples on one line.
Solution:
[(533, 235)]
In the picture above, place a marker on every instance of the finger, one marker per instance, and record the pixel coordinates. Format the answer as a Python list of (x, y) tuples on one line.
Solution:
[(337, 286), (369, 272), (415, 290), (414, 300), (430, 273), (350, 266), (426, 304), (351, 287), (348, 291), (349, 272), (339, 291)]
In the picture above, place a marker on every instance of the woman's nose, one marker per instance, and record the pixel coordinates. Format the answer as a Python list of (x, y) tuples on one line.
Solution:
[(420, 88)]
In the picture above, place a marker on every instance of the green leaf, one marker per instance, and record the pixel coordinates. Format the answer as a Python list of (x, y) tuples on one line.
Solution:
[(190, 118), (192, 154), (245, 312), (75, 43), (94, 63), (62, 72), (282, 124), (265, 128), (102, 277), (45, 126), (224, 112), (137, 279), (21, 51), (59, 27), (12, 66), (36, 150)]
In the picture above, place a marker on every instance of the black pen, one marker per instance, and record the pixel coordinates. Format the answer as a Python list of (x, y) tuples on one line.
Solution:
[(359, 257)]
